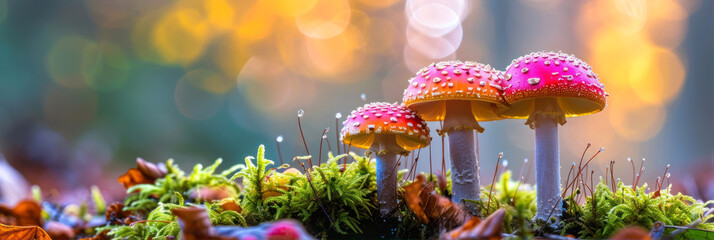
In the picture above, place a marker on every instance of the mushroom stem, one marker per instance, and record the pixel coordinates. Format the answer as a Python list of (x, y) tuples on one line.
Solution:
[(386, 181), (463, 150), (547, 167)]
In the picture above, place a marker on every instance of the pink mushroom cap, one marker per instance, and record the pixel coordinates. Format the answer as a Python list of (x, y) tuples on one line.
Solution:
[(394, 126), (434, 86), (564, 78)]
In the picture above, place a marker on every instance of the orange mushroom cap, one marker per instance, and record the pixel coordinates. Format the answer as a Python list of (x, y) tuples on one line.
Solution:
[(435, 85), (393, 126)]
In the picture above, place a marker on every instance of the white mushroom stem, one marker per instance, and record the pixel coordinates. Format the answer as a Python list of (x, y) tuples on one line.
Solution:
[(547, 164), (459, 124), (463, 150), (386, 181)]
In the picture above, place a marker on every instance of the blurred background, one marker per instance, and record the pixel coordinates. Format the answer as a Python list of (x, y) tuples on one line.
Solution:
[(88, 86)]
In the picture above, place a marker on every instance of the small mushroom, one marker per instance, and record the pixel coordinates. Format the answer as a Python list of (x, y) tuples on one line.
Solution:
[(555, 86), (461, 94), (388, 130)]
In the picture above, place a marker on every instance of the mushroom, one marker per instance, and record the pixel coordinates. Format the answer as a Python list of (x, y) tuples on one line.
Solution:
[(388, 130), (461, 94), (545, 88)]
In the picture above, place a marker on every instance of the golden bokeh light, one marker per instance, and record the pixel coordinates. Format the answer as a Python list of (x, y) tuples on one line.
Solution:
[(271, 89), (635, 120), (335, 55), (326, 19), (288, 9), (656, 75), (180, 36), (256, 23), (219, 14)]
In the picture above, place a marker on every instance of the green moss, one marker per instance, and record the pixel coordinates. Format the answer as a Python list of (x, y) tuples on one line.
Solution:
[(145, 197), (602, 215), (336, 199)]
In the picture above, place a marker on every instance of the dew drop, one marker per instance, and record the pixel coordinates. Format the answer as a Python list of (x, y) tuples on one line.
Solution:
[(338, 115), (363, 97), (279, 138), (505, 163), (301, 113)]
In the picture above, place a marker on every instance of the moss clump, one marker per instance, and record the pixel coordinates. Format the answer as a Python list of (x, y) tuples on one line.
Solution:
[(145, 197), (607, 212), (336, 199)]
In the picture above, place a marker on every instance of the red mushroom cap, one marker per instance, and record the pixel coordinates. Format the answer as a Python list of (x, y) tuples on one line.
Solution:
[(564, 78), (393, 126), (438, 83)]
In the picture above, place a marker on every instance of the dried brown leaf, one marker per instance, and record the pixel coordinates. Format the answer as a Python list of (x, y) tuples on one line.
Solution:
[(229, 204), (195, 224), (23, 233), (149, 169), (116, 214), (430, 207), (144, 173), (25, 213), (490, 228), (133, 177)]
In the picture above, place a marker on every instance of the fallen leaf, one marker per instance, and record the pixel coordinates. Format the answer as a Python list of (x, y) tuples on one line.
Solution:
[(490, 228), (134, 177), (412, 194), (25, 213), (430, 207), (195, 224), (149, 169), (116, 214), (23, 233), (144, 173), (229, 204)]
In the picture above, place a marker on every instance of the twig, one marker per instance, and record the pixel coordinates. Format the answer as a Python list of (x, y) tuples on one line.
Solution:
[(490, 192)]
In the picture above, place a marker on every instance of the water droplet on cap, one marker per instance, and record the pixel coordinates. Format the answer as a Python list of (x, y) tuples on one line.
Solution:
[(301, 113), (279, 138), (338, 115)]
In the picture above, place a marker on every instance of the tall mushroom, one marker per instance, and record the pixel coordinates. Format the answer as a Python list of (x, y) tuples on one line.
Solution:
[(461, 94), (388, 130), (545, 88)]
